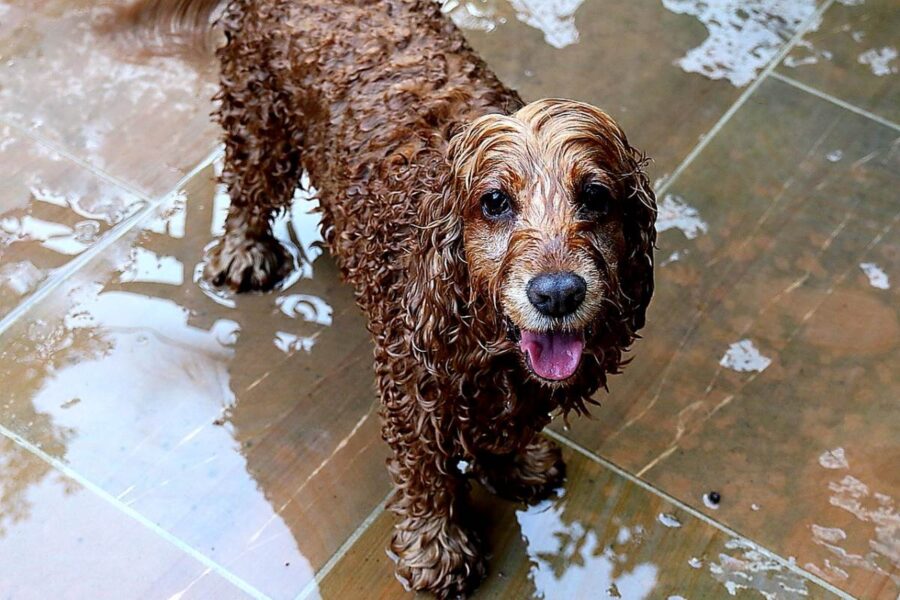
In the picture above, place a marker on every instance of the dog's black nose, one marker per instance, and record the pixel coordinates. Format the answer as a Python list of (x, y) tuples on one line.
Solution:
[(556, 294)]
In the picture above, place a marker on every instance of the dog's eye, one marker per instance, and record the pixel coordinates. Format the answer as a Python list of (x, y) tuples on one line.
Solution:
[(595, 198), (496, 205)]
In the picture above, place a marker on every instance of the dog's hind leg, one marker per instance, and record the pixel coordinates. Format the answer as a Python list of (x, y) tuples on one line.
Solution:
[(262, 170)]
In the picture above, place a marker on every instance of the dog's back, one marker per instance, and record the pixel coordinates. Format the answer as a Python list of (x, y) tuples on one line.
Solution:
[(371, 89)]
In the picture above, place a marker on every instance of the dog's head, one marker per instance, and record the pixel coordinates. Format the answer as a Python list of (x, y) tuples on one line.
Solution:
[(553, 218)]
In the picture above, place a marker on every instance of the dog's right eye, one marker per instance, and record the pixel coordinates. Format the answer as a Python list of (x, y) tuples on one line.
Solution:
[(496, 205)]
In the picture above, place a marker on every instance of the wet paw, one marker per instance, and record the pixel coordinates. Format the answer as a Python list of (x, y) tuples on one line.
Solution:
[(529, 476), (442, 558), (247, 264)]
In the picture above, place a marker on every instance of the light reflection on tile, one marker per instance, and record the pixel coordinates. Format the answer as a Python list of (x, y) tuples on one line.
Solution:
[(51, 210), (145, 120), (59, 540), (602, 537), (249, 432)]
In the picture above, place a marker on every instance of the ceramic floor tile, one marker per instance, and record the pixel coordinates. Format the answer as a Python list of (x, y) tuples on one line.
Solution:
[(853, 55), (145, 121), (51, 210), (603, 537), (666, 70), (247, 431), (774, 337), (59, 540)]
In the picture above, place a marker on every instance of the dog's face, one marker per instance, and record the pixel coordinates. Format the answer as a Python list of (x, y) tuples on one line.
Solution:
[(547, 197)]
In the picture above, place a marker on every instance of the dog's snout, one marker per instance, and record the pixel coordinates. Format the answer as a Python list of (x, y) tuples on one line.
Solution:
[(556, 294)]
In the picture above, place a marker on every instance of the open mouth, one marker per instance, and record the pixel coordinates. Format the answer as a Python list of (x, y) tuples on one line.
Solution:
[(551, 355)]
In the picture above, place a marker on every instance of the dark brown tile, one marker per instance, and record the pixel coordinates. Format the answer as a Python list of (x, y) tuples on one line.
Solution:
[(666, 70), (853, 56), (51, 210), (773, 339), (249, 432), (603, 537), (144, 121), (59, 540)]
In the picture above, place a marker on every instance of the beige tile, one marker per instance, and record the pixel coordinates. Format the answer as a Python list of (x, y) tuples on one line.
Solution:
[(603, 537), (59, 540), (249, 432), (51, 210), (853, 55), (768, 344), (145, 121)]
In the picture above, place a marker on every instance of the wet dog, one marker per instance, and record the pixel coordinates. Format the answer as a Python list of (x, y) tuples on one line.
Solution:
[(502, 251)]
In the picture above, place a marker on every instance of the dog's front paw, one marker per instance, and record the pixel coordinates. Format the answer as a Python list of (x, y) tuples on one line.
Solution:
[(244, 264), (530, 475), (438, 557)]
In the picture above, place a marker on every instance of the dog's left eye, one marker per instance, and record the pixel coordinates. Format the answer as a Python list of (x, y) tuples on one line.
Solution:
[(496, 205), (596, 199)]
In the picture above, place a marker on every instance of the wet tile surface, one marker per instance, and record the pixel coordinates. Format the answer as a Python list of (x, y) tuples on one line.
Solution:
[(853, 55), (774, 339), (248, 432), (51, 210), (146, 121), (246, 427), (53, 532), (604, 537), (665, 70)]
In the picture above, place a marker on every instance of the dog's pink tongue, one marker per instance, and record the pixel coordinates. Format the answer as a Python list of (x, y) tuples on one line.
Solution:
[(553, 355)]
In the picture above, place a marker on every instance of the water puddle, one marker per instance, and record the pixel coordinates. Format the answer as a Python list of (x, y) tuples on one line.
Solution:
[(744, 567), (875, 548), (876, 275), (744, 35), (554, 18), (674, 213), (881, 61), (744, 357)]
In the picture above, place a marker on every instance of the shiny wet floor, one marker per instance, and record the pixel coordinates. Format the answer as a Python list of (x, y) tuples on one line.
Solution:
[(158, 440)]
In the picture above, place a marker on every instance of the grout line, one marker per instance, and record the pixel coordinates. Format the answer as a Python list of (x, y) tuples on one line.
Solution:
[(60, 275), (70, 156), (134, 514), (834, 100), (695, 513), (706, 138), (313, 586)]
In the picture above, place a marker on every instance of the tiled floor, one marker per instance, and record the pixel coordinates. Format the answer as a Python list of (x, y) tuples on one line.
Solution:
[(160, 441)]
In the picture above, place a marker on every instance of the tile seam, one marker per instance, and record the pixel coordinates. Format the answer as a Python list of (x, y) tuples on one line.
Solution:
[(649, 487), (74, 158), (134, 514), (117, 232), (313, 586), (835, 100), (742, 99)]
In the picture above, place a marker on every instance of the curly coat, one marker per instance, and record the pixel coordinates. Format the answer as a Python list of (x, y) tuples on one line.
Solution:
[(404, 131)]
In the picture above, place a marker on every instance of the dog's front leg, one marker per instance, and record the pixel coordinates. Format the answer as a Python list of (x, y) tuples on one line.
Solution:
[(434, 550), (262, 159)]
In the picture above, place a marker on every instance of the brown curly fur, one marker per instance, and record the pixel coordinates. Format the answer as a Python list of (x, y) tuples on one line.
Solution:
[(402, 128)]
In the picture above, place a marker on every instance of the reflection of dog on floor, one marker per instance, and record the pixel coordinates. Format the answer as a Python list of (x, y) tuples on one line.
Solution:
[(502, 251)]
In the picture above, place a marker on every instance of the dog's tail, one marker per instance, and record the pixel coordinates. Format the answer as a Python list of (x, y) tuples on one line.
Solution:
[(165, 26)]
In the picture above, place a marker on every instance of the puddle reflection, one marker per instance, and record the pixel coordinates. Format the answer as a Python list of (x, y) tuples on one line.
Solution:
[(196, 414)]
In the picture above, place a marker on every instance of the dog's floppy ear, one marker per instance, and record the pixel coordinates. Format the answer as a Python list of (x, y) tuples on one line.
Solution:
[(436, 300), (636, 274), (589, 123)]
